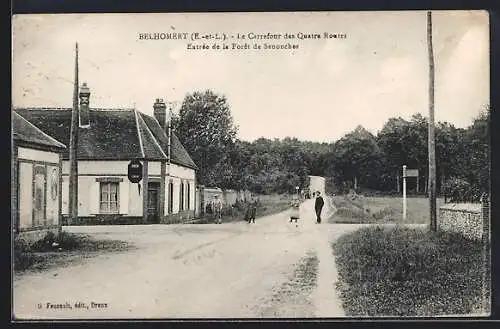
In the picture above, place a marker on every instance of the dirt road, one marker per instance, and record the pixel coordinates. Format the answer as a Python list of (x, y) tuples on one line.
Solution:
[(236, 270)]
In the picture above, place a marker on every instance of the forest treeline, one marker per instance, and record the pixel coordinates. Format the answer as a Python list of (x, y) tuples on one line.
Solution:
[(359, 160)]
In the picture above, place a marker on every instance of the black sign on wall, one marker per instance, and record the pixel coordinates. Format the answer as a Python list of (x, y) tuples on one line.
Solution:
[(135, 171)]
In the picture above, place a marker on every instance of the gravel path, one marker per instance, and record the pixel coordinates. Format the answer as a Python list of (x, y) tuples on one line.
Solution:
[(236, 270)]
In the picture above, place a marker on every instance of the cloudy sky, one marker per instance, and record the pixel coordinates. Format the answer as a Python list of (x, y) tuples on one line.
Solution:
[(318, 92)]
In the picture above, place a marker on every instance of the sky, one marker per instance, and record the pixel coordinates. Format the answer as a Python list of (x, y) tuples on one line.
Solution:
[(318, 92)]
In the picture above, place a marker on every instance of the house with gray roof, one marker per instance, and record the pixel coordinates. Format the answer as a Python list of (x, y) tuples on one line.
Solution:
[(36, 180), (108, 140)]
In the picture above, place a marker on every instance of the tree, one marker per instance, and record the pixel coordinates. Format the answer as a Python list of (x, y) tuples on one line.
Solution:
[(478, 146), (205, 127), (358, 157), (404, 142)]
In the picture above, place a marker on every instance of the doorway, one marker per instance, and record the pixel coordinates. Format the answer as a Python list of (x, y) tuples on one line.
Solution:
[(153, 202)]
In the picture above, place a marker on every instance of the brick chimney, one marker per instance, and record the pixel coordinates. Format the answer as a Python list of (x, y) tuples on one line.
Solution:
[(160, 112), (84, 112)]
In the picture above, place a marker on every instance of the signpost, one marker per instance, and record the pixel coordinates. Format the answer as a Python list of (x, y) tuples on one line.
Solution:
[(135, 173), (407, 173)]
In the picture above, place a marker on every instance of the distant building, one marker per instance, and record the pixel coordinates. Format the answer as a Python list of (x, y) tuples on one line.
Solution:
[(36, 180), (317, 183), (108, 140)]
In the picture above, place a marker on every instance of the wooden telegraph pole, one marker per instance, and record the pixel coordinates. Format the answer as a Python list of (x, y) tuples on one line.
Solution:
[(431, 137), (73, 142)]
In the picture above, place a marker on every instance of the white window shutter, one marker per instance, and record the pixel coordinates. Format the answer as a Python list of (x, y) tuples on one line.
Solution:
[(94, 197), (124, 196)]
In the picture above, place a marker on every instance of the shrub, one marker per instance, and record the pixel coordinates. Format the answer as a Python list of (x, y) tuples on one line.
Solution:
[(408, 272), (23, 255), (385, 214), (460, 190)]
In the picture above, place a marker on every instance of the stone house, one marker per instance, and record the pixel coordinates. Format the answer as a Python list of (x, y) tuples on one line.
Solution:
[(36, 180), (108, 139)]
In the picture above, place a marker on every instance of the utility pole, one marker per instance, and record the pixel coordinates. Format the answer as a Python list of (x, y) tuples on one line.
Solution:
[(431, 137), (73, 142), (169, 156)]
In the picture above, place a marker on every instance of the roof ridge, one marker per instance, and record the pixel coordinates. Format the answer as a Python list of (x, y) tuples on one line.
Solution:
[(152, 135), (139, 134)]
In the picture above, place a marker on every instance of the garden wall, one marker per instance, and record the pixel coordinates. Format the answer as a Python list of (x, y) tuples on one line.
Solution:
[(470, 219)]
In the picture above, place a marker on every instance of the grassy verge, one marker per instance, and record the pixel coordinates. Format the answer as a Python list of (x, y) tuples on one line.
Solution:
[(409, 272), (380, 210), (59, 250), (266, 205)]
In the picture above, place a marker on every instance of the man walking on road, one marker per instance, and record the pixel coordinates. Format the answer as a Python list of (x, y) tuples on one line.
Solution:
[(318, 206), (217, 209)]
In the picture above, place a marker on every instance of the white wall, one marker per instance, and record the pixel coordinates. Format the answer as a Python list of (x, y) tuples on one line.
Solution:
[(130, 202), (130, 199), (51, 198), (25, 195), (99, 167), (154, 168), (178, 173), (37, 155)]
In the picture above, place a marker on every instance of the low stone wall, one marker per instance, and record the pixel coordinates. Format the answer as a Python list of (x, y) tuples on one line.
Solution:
[(464, 218)]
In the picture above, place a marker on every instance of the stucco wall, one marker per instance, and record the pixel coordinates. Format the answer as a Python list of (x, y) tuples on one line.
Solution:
[(464, 218), (25, 195), (48, 175), (37, 155), (130, 200)]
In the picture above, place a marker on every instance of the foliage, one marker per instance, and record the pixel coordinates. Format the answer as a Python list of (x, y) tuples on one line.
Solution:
[(460, 190), (408, 272), (380, 209), (357, 157), (358, 160), (53, 249), (206, 129)]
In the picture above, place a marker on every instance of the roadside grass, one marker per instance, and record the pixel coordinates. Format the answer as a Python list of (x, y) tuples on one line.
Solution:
[(59, 250), (266, 205), (402, 271), (380, 210)]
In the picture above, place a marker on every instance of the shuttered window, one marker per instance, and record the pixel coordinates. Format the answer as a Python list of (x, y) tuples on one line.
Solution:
[(181, 197), (109, 203), (188, 196)]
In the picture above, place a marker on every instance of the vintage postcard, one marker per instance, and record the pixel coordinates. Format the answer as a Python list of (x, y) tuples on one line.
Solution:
[(250, 165)]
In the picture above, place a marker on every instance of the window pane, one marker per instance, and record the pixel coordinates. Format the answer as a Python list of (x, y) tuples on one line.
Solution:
[(104, 207)]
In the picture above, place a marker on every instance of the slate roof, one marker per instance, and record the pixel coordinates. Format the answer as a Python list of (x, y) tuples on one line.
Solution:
[(24, 131), (114, 134), (179, 153)]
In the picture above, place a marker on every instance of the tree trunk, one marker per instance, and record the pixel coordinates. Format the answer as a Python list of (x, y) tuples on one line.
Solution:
[(356, 184), (397, 183)]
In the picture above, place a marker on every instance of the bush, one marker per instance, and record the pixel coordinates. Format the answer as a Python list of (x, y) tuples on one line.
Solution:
[(460, 190), (408, 272), (23, 255)]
